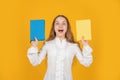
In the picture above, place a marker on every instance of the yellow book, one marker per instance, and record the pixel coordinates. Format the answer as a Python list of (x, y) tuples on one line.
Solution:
[(83, 28)]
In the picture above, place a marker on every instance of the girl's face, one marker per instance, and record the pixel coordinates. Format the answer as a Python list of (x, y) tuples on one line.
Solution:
[(60, 26)]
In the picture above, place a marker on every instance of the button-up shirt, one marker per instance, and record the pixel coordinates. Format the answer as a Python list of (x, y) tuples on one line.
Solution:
[(60, 56)]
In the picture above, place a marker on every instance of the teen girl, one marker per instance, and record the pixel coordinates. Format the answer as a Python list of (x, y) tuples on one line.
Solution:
[(60, 48)]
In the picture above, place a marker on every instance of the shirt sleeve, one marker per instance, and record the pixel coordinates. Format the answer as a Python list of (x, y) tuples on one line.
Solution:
[(34, 57), (85, 56)]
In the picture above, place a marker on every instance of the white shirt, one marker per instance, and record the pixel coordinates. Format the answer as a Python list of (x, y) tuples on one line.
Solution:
[(60, 56)]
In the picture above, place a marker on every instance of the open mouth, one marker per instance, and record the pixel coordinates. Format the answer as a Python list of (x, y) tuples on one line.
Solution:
[(60, 30)]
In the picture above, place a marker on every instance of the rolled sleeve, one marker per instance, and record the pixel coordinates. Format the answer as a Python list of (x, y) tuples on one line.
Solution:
[(84, 56)]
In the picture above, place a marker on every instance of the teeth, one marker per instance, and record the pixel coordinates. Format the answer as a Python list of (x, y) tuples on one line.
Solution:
[(60, 30)]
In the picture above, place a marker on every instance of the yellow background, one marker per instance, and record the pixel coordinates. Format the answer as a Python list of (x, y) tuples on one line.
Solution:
[(15, 16)]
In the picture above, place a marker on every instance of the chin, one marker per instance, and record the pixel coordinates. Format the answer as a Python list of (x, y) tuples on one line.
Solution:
[(61, 35)]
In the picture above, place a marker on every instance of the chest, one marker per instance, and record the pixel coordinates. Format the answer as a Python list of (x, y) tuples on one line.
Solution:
[(54, 51)]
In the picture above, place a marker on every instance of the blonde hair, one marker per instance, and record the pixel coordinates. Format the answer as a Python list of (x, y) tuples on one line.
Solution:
[(68, 35)]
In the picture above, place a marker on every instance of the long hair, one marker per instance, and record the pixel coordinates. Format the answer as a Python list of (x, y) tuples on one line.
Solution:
[(68, 35)]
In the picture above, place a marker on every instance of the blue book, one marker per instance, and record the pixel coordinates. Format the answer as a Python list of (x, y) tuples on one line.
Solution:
[(37, 29)]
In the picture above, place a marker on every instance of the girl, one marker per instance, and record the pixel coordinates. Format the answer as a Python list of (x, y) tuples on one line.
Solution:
[(60, 49)]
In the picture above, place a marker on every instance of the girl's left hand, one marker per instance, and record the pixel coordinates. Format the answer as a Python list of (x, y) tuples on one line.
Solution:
[(84, 42)]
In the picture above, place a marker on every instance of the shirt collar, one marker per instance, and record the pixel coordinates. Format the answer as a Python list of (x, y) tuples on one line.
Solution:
[(60, 43)]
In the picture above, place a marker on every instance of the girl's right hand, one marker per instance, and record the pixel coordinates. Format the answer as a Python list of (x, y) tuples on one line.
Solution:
[(35, 43)]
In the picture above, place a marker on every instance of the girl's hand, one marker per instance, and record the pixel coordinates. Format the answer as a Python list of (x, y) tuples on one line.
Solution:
[(35, 43), (84, 42)]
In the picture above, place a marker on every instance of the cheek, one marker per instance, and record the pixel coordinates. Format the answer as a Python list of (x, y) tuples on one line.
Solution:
[(56, 29), (65, 29)]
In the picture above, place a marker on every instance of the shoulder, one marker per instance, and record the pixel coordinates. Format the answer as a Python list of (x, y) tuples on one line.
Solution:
[(49, 43), (74, 45)]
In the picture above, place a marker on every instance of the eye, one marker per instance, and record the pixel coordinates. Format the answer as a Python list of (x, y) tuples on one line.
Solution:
[(64, 23), (56, 23)]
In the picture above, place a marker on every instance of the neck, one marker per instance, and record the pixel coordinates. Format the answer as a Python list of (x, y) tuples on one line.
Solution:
[(61, 37)]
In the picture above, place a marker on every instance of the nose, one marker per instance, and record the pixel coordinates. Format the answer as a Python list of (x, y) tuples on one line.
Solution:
[(60, 26)]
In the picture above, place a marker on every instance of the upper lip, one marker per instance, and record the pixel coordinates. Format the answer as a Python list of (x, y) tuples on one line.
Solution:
[(60, 29)]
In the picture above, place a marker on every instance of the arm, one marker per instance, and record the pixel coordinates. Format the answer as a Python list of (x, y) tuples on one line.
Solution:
[(84, 56), (34, 57)]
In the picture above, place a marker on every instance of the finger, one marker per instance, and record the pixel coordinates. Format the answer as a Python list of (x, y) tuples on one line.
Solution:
[(36, 39), (86, 41), (33, 43), (82, 37)]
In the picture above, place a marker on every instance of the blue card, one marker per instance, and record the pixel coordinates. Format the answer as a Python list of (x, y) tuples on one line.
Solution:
[(37, 29)]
